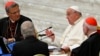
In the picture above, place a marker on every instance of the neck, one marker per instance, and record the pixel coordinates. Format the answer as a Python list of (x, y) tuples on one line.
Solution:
[(12, 21), (90, 33)]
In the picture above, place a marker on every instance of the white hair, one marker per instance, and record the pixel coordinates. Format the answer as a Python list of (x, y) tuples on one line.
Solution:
[(90, 27), (27, 29)]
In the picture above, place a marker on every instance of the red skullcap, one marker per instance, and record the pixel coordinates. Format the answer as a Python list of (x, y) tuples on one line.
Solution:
[(9, 3), (91, 21)]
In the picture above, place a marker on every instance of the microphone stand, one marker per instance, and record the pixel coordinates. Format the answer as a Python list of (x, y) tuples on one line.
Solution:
[(45, 29)]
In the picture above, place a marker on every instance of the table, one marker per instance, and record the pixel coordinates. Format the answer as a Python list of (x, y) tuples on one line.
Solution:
[(56, 53)]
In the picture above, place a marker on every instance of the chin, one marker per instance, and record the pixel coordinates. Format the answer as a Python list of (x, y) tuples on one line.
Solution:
[(17, 19)]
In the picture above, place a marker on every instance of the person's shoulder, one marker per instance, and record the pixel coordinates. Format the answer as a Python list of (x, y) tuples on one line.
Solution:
[(19, 43), (24, 18), (43, 42), (3, 19), (93, 37)]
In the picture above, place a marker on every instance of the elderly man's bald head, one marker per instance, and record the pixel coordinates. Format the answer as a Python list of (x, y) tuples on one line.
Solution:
[(26, 23), (27, 29)]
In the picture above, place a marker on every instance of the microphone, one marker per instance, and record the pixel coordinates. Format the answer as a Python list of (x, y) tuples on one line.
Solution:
[(42, 35), (50, 27), (45, 35), (45, 29)]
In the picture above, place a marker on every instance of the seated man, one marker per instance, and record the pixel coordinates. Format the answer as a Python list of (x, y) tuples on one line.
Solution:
[(30, 45), (73, 35), (10, 25), (91, 46)]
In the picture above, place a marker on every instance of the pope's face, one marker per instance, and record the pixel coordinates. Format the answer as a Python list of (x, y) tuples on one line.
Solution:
[(71, 16)]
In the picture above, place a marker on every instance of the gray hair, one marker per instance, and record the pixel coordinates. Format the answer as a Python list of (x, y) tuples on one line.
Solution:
[(91, 27), (28, 29), (11, 6)]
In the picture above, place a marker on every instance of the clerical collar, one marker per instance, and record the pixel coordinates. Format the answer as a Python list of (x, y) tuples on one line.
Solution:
[(91, 33), (12, 21)]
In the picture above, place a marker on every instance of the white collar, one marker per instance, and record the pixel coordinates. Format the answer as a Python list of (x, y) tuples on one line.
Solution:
[(91, 33), (77, 21), (12, 21)]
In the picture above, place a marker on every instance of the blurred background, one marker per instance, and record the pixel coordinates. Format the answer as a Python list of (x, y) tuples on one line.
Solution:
[(46, 13)]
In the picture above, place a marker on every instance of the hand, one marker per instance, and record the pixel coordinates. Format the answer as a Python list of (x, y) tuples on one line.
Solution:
[(50, 34), (66, 49), (10, 40)]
